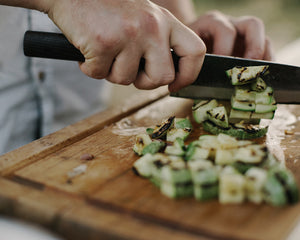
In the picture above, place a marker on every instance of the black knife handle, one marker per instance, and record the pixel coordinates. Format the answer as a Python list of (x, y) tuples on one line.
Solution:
[(50, 45), (56, 46)]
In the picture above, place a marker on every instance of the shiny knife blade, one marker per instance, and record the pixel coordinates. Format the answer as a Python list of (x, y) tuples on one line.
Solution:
[(213, 82)]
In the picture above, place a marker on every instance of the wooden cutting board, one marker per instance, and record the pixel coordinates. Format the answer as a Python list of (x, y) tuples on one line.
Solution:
[(108, 201)]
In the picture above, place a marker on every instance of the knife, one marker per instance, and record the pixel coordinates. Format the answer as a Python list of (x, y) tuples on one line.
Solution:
[(212, 81)]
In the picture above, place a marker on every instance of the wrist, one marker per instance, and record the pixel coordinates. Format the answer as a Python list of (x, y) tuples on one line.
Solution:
[(40, 5)]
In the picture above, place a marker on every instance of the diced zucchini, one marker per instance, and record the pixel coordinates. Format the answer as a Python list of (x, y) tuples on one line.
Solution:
[(255, 181), (258, 85), (206, 192), (147, 164), (224, 156), (182, 129), (194, 152), (176, 172), (203, 172), (265, 97), (177, 190), (141, 141), (243, 93), (154, 147), (242, 105), (227, 142), (177, 148), (253, 154), (182, 123), (258, 116), (237, 116), (274, 191), (244, 75), (218, 116), (174, 133), (200, 109), (263, 108), (162, 129), (289, 183), (232, 187)]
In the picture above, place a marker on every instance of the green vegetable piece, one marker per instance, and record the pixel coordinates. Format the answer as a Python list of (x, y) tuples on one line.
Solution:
[(218, 116), (258, 85), (154, 147)]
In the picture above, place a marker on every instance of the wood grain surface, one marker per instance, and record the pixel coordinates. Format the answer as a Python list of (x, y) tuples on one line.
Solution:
[(107, 201)]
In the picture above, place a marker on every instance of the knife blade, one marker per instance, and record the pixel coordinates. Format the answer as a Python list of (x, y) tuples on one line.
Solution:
[(212, 81)]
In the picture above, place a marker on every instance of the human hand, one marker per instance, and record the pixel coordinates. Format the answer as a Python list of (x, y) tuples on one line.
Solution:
[(241, 36), (114, 35)]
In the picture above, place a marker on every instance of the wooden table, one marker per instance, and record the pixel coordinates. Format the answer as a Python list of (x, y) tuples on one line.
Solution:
[(108, 201)]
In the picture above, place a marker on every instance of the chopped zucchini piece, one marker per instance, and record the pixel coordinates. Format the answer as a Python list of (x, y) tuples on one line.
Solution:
[(177, 190), (265, 97), (274, 192), (176, 172), (289, 183), (141, 141), (263, 108), (206, 191), (244, 75), (224, 156), (253, 154), (182, 123), (242, 105), (218, 116), (175, 133), (232, 185), (243, 93), (227, 142), (258, 116), (154, 147), (182, 129), (194, 152), (200, 109), (258, 85), (255, 181), (145, 166), (177, 148), (162, 129)]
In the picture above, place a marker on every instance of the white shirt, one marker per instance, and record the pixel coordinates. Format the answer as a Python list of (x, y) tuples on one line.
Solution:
[(39, 96)]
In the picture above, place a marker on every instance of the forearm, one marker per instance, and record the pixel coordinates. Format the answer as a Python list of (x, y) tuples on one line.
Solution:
[(40, 5), (182, 9)]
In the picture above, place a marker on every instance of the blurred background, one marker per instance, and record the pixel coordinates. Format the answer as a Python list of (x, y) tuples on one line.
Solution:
[(282, 25), (281, 17)]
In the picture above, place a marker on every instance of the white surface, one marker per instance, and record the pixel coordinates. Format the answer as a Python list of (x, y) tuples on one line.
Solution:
[(11, 229)]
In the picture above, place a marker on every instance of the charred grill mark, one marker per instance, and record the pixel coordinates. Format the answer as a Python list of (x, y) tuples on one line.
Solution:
[(161, 131)]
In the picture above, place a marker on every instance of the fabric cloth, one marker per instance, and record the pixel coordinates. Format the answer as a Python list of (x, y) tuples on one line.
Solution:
[(39, 96)]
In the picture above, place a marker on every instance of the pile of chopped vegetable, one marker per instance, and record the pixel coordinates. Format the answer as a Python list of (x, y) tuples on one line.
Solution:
[(212, 167)]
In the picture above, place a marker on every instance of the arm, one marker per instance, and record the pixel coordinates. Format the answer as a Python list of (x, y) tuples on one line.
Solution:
[(31, 4), (114, 35)]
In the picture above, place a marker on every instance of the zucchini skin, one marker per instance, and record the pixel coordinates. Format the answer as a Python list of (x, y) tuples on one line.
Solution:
[(234, 132)]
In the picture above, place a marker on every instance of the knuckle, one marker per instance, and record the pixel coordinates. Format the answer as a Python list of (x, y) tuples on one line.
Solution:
[(150, 22), (254, 22), (106, 41), (131, 29), (213, 14)]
